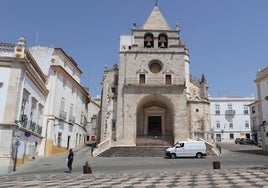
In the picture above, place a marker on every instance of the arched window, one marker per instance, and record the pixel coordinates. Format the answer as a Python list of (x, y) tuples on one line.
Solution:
[(148, 40), (162, 41)]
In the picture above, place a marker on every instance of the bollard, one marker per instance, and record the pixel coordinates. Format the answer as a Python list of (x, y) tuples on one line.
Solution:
[(216, 165)]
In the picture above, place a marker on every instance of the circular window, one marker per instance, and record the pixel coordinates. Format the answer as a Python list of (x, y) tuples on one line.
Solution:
[(155, 67)]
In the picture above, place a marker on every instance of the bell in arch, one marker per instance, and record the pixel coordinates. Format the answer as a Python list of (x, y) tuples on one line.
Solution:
[(148, 44), (162, 42), (162, 45)]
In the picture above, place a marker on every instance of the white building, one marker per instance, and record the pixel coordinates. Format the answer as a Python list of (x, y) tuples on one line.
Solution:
[(230, 118), (255, 122), (22, 99), (262, 89), (66, 107), (94, 115)]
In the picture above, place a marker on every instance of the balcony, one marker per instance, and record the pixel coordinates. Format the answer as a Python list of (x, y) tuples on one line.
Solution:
[(217, 112), (230, 112), (71, 119), (39, 129), (32, 126), (63, 115), (154, 81), (23, 120)]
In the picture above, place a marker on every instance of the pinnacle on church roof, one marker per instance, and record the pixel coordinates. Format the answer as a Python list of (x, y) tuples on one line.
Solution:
[(156, 21), (203, 79)]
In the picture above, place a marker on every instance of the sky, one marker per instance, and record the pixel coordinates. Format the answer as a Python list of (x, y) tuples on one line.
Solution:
[(227, 39)]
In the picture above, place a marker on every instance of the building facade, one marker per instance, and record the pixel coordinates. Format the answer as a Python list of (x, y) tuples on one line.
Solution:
[(43, 107), (262, 90), (66, 107), (150, 96), (94, 119), (230, 118), (23, 94), (255, 122)]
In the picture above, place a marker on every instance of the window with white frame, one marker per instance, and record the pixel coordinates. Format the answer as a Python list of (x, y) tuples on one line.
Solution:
[(59, 139), (218, 125), (246, 124), (230, 107), (231, 136), (231, 126), (64, 81), (253, 109), (245, 109), (217, 109)]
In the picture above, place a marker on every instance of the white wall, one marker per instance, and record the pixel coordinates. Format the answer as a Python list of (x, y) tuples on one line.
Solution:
[(4, 80), (238, 119)]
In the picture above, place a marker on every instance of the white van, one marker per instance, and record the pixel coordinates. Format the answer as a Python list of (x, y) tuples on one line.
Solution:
[(187, 149)]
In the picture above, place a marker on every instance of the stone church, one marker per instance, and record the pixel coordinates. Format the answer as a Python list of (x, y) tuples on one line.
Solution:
[(150, 97)]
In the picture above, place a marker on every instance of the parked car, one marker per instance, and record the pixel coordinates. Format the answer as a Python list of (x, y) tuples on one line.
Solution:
[(237, 140), (246, 141)]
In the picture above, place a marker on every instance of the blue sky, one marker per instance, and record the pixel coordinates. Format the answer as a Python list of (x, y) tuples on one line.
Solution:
[(227, 39)]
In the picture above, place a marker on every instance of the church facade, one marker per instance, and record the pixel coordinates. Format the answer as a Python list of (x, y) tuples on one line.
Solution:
[(150, 98)]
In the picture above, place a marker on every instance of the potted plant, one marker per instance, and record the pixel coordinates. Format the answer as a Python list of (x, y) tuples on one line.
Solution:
[(87, 168)]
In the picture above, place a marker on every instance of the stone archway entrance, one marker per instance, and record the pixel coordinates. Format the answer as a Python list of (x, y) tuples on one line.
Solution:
[(154, 126), (154, 123)]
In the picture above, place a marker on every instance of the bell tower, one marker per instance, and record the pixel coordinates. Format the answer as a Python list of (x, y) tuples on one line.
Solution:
[(153, 88), (153, 71)]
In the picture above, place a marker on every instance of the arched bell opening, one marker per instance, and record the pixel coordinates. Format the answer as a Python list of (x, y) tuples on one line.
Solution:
[(148, 40), (162, 40)]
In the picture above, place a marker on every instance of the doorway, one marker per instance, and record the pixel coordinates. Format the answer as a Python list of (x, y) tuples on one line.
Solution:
[(68, 142), (154, 126)]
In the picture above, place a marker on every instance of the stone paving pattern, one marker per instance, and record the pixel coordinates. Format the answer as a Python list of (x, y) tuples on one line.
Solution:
[(205, 179)]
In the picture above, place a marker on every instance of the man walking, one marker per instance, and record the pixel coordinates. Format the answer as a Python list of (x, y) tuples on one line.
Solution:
[(70, 160)]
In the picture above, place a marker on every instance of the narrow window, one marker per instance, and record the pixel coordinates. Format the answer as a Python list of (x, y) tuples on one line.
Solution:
[(230, 107), (245, 109), (168, 79), (231, 125), (142, 79), (59, 139), (246, 124), (64, 82), (253, 109), (217, 109), (218, 125)]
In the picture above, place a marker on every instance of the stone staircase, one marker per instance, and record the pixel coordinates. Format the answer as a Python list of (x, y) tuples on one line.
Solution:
[(146, 146), (138, 151), (150, 147), (154, 141)]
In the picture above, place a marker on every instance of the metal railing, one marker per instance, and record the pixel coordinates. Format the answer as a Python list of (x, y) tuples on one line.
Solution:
[(154, 81)]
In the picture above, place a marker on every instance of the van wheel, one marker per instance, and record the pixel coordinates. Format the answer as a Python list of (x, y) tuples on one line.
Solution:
[(199, 155), (173, 155)]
